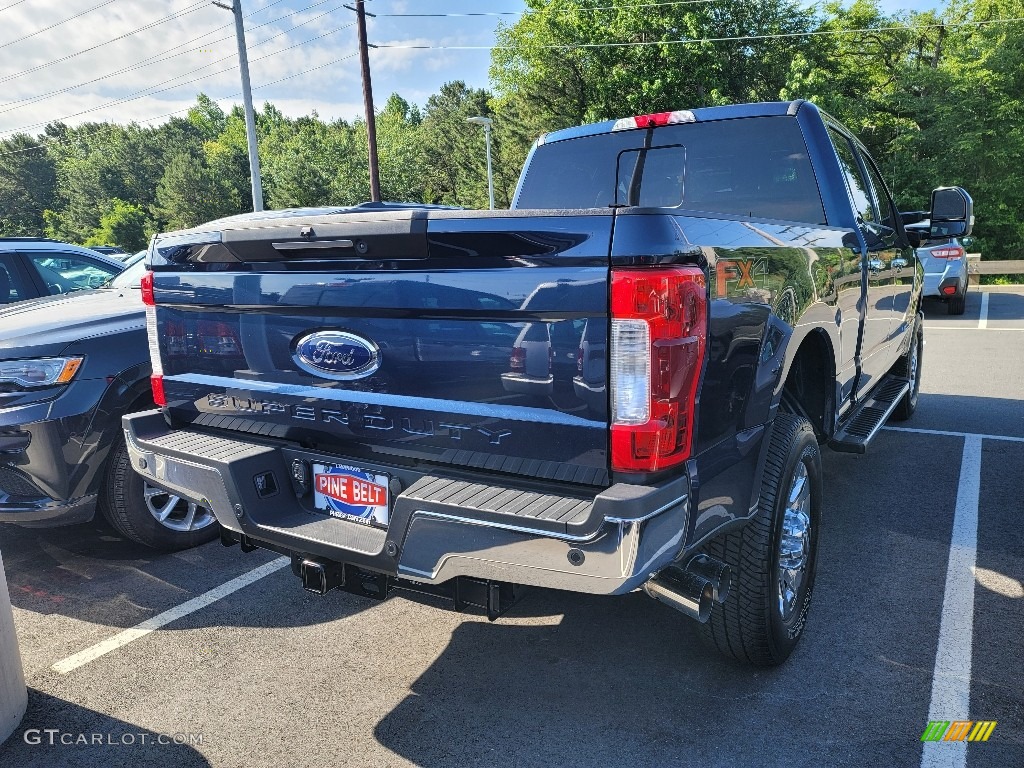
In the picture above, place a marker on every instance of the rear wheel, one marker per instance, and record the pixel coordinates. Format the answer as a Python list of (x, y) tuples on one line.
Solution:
[(909, 367), (774, 556), (957, 303), (150, 515)]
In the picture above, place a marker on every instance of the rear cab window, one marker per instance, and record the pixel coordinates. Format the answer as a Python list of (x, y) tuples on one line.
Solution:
[(754, 167)]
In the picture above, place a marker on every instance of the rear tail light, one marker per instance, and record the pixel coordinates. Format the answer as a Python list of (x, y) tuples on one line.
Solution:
[(949, 290), (579, 360), (654, 120), (157, 379), (658, 336), (948, 252), (517, 361), (157, 383), (147, 289)]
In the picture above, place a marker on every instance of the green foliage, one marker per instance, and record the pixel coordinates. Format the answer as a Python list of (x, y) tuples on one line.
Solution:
[(123, 224), (454, 162), (554, 71), (190, 193), (938, 102), (937, 98), (27, 179)]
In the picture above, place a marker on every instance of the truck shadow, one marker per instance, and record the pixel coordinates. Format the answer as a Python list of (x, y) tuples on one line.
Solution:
[(90, 573), (120, 742), (624, 682)]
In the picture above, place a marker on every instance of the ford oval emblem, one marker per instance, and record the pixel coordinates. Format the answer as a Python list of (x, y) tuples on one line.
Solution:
[(336, 355)]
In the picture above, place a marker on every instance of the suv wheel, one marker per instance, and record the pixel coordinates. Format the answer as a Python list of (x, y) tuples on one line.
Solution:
[(957, 303), (150, 515), (774, 556)]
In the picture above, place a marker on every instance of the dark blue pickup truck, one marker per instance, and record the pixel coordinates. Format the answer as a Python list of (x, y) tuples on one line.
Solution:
[(622, 383)]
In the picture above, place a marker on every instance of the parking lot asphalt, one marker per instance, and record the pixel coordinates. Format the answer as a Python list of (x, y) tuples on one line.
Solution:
[(271, 675)]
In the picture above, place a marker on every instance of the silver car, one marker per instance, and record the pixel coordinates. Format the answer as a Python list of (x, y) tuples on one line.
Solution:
[(945, 268)]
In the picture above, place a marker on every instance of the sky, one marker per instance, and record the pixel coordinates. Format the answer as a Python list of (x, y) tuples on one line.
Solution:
[(142, 61)]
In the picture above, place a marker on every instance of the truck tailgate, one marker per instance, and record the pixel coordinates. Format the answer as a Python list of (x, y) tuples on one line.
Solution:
[(448, 337)]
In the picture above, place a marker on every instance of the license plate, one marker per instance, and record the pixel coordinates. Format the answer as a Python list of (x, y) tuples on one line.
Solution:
[(351, 493)]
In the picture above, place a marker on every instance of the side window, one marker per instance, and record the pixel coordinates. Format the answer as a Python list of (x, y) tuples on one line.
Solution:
[(886, 215), (860, 194), (12, 287), (66, 272)]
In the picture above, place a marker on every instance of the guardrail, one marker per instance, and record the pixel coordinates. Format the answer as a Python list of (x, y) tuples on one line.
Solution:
[(976, 268)]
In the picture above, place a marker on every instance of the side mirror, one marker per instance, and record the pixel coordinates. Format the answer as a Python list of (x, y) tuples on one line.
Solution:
[(916, 235), (952, 213)]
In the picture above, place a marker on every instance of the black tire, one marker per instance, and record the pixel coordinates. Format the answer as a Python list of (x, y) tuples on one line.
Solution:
[(908, 368), (750, 626), (123, 504), (957, 303)]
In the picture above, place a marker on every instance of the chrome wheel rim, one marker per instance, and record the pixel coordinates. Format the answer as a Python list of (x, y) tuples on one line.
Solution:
[(795, 542), (174, 512)]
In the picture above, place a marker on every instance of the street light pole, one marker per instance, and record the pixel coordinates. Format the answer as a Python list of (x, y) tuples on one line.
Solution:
[(250, 120), (486, 122)]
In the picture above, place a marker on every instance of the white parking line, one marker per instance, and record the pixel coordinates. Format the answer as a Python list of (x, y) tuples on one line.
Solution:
[(191, 606), (951, 680), (960, 328), (948, 433), (983, 317)]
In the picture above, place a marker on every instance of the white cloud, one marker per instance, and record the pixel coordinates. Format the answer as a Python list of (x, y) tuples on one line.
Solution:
[(191, 44)]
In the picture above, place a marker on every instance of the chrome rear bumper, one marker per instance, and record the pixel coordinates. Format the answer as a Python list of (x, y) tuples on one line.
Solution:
[(606, 541)]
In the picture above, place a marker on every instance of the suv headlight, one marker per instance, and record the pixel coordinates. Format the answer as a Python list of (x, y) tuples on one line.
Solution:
[(45, 372)]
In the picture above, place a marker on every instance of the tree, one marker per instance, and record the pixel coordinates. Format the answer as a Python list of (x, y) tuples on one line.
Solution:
[(27, 179), (936, 97), (454, 159), (399, 142), (123, 224), (302, 159), (563, 64), (190, 193)]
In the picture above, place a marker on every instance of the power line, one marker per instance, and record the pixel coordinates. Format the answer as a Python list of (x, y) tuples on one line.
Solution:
[(529, 12), (12, 105), (57, 24), (190, 9), (692, 41), (47, 144), (153, 90), (19, 2)]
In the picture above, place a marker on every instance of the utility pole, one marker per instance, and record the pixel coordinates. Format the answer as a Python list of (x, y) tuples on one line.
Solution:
[(371, 122), (250, 120)]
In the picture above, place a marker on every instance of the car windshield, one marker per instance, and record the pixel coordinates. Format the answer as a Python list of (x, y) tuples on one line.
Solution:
[(135, 269)]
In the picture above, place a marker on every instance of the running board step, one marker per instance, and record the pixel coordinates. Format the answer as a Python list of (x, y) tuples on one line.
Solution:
[(857, 431)]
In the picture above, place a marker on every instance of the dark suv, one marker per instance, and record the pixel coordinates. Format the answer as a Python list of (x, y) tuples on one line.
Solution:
[(31, 267), (70, 368)]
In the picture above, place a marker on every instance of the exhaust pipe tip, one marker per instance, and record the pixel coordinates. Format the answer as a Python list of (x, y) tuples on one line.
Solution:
[(715, 571), (687, 592)]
